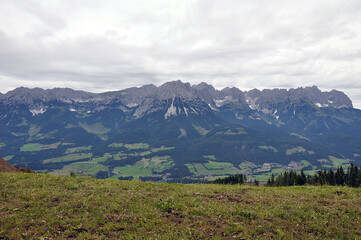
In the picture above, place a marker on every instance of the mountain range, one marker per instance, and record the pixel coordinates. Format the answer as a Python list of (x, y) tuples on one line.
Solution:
[(178, 132)]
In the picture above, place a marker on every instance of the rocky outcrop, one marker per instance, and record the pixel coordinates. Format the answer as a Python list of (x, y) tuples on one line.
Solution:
[(7, 167)]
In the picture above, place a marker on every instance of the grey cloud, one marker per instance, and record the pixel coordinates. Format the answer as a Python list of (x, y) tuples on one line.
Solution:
[(246, 44), (48, 16)]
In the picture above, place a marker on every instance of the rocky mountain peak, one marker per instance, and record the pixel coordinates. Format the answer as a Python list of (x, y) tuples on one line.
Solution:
[(335, 99), (136, 92), (338, 99), (23, 92), (232, 91), (203, 87), (68, 93), (29, 95), (254, 93), (143, 97), (134, 96), (176, 89)]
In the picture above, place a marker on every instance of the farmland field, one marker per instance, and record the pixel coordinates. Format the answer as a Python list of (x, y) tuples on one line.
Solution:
[(29, 147), (69, 158)]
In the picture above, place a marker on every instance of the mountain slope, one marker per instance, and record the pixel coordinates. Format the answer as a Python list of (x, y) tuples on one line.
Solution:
[(177, 130)]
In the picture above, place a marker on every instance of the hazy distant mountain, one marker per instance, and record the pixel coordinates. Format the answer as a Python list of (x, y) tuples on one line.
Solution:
[(191, 130)]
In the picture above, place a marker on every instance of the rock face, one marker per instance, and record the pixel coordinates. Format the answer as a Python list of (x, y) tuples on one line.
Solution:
[(149, 98), (207, 93), (7, 167), (334, 98)]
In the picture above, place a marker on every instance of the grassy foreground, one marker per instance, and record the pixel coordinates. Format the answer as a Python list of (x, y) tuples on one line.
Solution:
[(45, 206)]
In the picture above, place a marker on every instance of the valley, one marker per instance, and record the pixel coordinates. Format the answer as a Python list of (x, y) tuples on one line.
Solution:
[(179, 133), (140, 161)]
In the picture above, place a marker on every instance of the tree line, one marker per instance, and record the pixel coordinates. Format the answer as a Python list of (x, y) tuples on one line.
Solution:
[(235, 179), (351, 177)]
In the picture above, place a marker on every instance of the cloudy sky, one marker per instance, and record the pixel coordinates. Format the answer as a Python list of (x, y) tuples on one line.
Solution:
[(101, 45)]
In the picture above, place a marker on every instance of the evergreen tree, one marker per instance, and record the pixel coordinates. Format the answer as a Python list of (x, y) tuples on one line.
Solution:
[(351, 178), (293, 178), (272, 179), (331, 178), (301, 179), (236, 179), (269, 182), (340, 176)]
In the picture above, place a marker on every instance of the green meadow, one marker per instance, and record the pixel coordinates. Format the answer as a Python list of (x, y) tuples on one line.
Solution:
[(43, 206)]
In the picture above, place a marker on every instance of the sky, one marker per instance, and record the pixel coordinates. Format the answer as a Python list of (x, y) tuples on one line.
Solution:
[(107, 45)]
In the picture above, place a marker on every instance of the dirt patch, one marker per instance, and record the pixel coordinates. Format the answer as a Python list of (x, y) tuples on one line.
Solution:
[(324, 203), (227, 198), (7, 167), (243, 191), (80, 230), (174, 216), (55, 200)]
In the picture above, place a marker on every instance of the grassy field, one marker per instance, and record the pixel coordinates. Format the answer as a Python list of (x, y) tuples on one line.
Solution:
[(305, 163), (116, 145), (9, 157), (162, 149), (268, 148), (30, 147), (202, 169), (78, 149), (69, 158), (96, 128), (338, 161), (80, 168), (137, 146), (217, 165), (295, 150), (135, 170), (212, 157), (191, 168), (36, 206), (100, 159)]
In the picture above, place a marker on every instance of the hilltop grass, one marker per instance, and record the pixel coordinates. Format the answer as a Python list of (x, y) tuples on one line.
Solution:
[(35, 206)]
